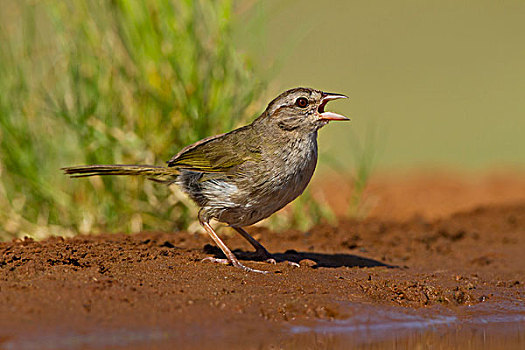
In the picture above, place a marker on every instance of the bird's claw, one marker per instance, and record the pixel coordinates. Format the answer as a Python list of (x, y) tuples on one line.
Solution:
[(235, 263), (293, 264), (249, 269), (216, 260), (271, 260)]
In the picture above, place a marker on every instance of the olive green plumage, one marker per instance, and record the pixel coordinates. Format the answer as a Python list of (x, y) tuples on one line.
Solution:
[(246, 175), (154, 172)]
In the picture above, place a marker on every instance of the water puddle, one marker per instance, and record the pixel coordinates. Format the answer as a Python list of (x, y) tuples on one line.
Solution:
[(485, 325), (482, 326)]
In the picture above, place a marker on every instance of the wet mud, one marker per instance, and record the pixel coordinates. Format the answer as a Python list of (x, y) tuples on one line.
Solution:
[(455, 279)]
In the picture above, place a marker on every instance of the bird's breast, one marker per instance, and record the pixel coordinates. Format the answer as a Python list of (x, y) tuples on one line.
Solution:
[(280, 177)]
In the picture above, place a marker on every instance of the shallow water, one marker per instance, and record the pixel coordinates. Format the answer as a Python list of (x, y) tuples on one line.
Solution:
[(497, 325), (482, 326)]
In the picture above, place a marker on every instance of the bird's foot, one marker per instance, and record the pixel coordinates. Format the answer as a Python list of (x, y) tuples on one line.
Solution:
[(271, 261), (293, 263), (216, 260), (274, 262), (235, 263), (264, 255)]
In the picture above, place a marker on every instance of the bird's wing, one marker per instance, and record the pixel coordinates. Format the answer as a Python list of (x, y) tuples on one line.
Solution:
[(218, 154)]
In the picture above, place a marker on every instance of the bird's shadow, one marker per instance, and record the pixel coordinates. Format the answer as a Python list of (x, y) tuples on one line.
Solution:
[(320, 259)]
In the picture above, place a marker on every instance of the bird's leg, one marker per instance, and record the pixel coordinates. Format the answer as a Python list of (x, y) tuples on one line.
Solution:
[(229, 255), (260, 251)]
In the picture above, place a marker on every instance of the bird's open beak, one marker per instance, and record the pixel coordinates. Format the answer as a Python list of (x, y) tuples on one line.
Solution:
[(327, 96)]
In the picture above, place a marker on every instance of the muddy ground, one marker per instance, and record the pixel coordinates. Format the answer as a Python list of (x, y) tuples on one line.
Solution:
[(434, 245)]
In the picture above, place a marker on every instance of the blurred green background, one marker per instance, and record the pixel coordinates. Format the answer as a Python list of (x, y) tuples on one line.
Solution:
[(436, 84), (440, 82), (98, 82)]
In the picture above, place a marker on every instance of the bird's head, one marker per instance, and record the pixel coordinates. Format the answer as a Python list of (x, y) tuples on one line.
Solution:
[(302, 110)]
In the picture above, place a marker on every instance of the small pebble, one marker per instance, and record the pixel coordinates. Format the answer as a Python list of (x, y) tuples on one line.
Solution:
[(307, 262)]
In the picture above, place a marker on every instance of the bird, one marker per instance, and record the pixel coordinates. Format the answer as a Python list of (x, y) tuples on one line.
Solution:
[(242, 177)]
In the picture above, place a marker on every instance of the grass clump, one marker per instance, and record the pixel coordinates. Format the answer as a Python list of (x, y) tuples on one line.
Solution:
[(365, 156), (103, 82)]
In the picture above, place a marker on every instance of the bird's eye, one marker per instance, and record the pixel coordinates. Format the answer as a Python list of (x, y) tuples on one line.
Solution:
[(302, 102)]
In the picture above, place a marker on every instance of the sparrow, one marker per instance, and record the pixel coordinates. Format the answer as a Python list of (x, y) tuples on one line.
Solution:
[(244, 176)]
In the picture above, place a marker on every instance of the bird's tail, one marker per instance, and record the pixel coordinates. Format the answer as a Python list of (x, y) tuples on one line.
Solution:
[(155, 173)]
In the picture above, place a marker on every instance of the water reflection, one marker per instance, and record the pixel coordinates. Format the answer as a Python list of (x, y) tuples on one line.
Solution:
[(486, 325)]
